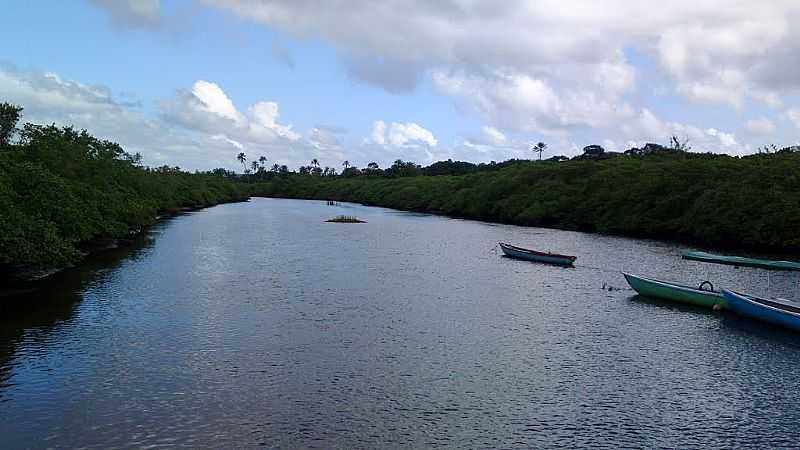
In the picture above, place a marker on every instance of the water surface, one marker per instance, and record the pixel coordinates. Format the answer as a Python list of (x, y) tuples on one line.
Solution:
[(259, 324)]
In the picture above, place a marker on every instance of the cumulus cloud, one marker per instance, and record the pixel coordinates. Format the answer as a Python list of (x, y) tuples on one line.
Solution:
[(491, 144), (47, 98), (407, 141), (647, 127), (324, 137), (793, 114), (206, 108), (559, 54), (493, 136), (199, 128), (520, 102), (403, 135), (762, 126), (132, 13)]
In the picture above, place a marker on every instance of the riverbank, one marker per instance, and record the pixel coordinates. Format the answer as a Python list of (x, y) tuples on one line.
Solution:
[(714, 201), (65, 194), (22, 278)]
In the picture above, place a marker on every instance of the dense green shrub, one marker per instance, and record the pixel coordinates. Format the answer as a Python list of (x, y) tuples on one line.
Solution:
[(60, 187), (712, 199)]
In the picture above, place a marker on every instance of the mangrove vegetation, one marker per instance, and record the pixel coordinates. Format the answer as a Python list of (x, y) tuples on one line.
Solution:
[(657, 191), (62, 188)]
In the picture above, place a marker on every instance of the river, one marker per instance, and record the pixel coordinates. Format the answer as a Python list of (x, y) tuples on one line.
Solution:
[(258, 324)]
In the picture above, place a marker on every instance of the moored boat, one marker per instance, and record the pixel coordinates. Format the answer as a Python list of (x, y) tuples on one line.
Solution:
[(742, 261), (675, 292), (533, 255), (776, 312)]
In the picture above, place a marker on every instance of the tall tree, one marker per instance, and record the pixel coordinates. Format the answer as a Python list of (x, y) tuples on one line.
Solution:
[(346, 164), (9, 116), (242, 159), (681, 145), (539, 148), (263, 160), (315, 162)]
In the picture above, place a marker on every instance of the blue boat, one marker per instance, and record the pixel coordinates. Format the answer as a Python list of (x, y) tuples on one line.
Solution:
[(776, 312)]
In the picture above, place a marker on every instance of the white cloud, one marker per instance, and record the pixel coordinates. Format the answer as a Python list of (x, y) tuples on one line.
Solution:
[(325, 138), (725, 139), (410, 134), (378, 135), (647, 127), (211, 129), (793, 114), (715, 50), (211, 99), (491, 144), (219, 137), (206, 108), (401, 135), (519, 102), (407, 141), (762, 126), (493, 136)]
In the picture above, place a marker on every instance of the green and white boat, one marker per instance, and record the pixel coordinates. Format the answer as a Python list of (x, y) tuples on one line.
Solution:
[(665, 290)]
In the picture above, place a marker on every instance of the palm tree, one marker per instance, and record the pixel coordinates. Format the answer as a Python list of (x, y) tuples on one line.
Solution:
[(346, 164), (276, 167), (539, 148), (254, 165), (263, 160), (242, 158), (314, 162)]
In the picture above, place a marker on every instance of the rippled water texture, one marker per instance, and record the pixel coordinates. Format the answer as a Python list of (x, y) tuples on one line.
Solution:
[(258, 323)]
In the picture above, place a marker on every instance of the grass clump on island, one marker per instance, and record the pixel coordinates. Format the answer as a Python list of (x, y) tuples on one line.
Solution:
[(345, 219)]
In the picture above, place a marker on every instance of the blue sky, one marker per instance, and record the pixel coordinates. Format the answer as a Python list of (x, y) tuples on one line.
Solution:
[(192, 82)]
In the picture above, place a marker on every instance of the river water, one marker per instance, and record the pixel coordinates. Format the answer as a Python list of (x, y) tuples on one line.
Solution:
[(258, 324)]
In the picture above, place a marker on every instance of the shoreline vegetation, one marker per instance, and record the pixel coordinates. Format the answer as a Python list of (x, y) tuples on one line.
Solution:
[(65, 194), (747, 203)]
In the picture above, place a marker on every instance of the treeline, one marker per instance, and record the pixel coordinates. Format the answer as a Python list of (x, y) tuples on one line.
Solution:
[(715, 200), (61, 188)]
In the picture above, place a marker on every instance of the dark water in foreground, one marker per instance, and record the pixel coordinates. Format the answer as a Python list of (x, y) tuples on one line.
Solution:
[(258, 324)]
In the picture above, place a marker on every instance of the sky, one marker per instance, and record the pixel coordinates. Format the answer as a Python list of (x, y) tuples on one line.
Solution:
[(194, 82)]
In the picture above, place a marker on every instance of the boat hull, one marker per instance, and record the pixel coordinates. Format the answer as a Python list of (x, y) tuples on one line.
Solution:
[(674, 292), (560, 260), (742, 261), (768, 311)]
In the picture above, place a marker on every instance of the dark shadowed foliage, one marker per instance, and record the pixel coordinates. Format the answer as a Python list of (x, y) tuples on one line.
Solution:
[(657, 192), (60, 187)]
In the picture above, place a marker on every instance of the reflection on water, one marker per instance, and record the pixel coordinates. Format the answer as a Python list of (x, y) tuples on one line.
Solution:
[(258, 323)]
